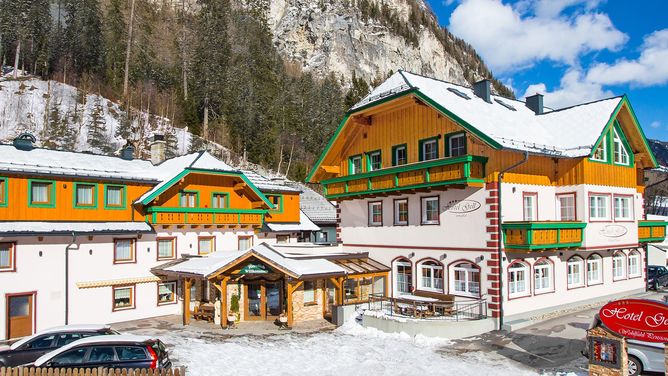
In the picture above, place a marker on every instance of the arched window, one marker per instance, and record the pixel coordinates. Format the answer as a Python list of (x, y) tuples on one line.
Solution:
[(594, 270), (618, 266), (575, 272), (431, 276), (542, 276), (518, 279), (466, 279), (403, 276), (634, 264)]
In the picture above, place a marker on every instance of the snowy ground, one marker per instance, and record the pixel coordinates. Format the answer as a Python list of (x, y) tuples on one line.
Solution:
[(349, 350)]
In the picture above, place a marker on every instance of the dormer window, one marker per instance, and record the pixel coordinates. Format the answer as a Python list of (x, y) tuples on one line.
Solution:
[(601, 152), (621, 155), (355, 164)]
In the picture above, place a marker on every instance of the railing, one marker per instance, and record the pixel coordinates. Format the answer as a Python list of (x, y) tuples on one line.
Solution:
[(464, 170), (31, 371), (651, 231), (205, 216), (531, 236), (427, 309)]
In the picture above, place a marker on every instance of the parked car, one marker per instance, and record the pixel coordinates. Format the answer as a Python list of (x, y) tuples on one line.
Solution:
[(643, 356), (657, 277), (28, 349), (121, 351)]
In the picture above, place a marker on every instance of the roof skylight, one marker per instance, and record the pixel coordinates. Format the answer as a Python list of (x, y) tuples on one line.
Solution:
[(504, 104), (458, 93)]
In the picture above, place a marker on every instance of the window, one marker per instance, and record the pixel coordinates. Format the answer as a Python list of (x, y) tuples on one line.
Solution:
[(189, 199), (123, 297), (101, 354), (7, 254), (282, 239), (599, 207), (530, 206), (401, 212), (466, 279), (517, 279), (429, 149), (575, 277), (542, 273), (623, 210), (431, 276), (594, 269), (601, 152), (42, 194), (206, 245), (85, 195), (399, 155), (166, 248), (618, 266), (3, 191), (43, 342), (430, 210), (130, 353), (634, 264), (75, 356), (374, 161), (114, 197), (404, 276), (456, 145), (124, 250), (245, 242), (379, 286), (309, 292), (375, 214), (220, 200), (350, 289), (355, 165), (566, 207), (66, 339), (166, 293), (277, 201), (621, 155)]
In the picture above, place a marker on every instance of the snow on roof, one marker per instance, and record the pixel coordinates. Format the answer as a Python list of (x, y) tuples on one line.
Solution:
[(62, 328), (121, 338), (568, 132), (316, 207), (304, 224), (269, 184), (30, 227)]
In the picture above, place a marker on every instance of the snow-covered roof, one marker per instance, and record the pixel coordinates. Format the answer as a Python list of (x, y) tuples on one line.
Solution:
[(62, 328), (121, 338), (305, 224), (316, 206), (568, 132), (269, 184), (52, 228)]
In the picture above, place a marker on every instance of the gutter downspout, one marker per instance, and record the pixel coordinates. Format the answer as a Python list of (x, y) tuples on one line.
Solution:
[(67, 276), (499, 247)]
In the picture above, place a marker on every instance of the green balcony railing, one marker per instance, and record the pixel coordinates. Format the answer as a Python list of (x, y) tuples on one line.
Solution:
[(651, 231), (532, 236)]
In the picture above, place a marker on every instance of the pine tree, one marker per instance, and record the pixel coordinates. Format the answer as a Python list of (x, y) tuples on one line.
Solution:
[(98, 136), (114, 38), (84, 44), (358, 90)]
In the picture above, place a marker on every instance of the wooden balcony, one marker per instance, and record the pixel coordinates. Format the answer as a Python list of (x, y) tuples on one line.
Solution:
[(651, 231), (205, 216), (467, 170), (538, 236)]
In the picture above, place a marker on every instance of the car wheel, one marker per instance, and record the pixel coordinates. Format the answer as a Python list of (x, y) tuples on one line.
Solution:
[(634, 365)]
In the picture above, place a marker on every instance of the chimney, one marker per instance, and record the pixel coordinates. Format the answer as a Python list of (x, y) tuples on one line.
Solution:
[(128, 151), (535, 103), (25, 141), (483, 89), (158, 147)]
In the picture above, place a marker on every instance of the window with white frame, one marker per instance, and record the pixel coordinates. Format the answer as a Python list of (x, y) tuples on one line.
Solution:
[(466, 279), (621, 155), (457, 145), (618, 266), (375, 162), (575, 266), (517, 279), (124, 297), (599, 207), (375, 214), (404, 277), (601, 152), (401, 212), (530, 206), (634, 264), (542, 272), (594, 269), (166, 248), (429, 149), (355, 164), (6, 257), (431, 276), (623, 211), (400, 155), (566, 207), (166, 293), (430, 210), (124, 250)]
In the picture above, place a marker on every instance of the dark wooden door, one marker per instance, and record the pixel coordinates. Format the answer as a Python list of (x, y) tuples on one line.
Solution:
[(19, 315)]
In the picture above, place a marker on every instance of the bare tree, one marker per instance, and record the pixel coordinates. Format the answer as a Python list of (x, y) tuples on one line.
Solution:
[(128, 48)]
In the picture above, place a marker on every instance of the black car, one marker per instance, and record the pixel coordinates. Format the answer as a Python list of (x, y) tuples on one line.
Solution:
[(122, 351), (28, 349), (657, 277)]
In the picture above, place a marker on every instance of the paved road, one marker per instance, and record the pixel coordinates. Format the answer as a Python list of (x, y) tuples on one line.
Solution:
[(552, 346)]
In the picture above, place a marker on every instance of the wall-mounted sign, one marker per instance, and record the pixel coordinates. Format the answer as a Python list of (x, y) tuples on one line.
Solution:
[(644, 320), (613, 231), (254, 269), (462, 206)]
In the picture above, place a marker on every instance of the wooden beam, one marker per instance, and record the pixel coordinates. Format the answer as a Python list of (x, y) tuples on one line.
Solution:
[(362, 120), (257, 204), (223, 302), (331, 169), (240, 186), (292, 287), (186, 301)]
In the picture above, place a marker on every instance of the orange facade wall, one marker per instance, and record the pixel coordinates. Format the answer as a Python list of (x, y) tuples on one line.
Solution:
[(205, 186), (287, 207)]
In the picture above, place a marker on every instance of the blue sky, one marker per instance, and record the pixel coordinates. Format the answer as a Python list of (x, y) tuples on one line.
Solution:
[(572, 51)]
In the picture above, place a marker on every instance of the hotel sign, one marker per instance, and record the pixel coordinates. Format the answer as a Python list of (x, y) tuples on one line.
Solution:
[(254, 269), (462, 206), (644, 320)]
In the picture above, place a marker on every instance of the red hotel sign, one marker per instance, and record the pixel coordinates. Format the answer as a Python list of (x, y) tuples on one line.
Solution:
[(644, 320)]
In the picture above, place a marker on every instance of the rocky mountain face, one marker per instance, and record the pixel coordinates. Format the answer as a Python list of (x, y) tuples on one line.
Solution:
[(660, 149)]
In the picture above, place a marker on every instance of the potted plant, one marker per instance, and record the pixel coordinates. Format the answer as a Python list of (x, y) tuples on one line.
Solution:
[(233, 314)]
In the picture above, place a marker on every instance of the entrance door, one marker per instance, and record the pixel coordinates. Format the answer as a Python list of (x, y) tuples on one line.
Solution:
[(264, 300), (255, 308), (19, 315), (274, 299)]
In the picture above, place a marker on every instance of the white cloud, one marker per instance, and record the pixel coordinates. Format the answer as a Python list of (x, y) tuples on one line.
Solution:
[(508, 38), (655, 124), (650, 68), (573, 89), (553, 8)]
